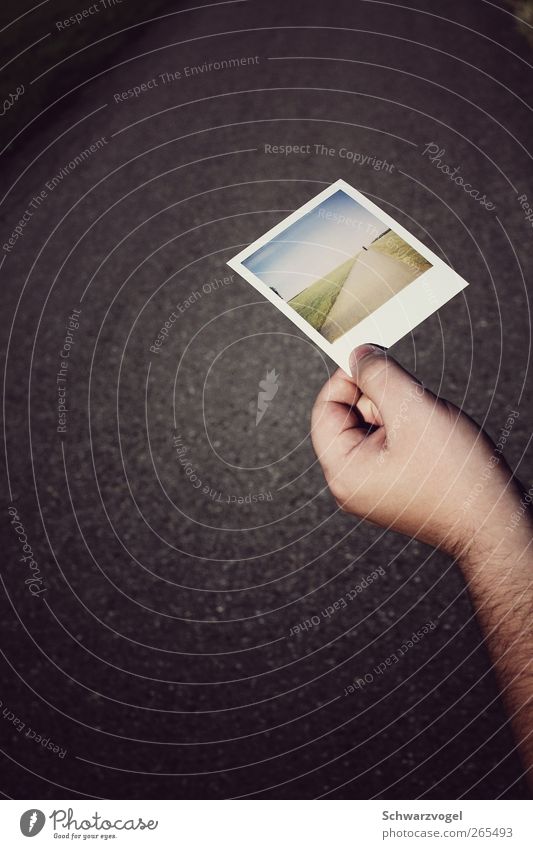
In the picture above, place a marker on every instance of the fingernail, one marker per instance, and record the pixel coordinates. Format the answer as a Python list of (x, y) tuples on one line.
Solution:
[(362, 351)]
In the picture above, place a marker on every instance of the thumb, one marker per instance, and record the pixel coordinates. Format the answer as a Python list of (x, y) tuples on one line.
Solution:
[(382, 380)]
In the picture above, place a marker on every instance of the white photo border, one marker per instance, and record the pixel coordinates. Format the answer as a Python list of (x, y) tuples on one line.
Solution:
[(390, 322)]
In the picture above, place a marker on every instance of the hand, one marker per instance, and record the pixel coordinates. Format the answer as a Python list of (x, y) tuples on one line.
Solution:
[(395, 454)]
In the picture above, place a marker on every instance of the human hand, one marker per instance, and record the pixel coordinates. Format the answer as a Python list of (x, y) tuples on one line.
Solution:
[(395, 454)]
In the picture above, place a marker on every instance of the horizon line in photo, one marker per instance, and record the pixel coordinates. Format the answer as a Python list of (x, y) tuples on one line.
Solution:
[(335, 231)]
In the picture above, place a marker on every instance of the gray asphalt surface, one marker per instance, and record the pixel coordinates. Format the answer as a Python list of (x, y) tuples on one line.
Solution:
[(159, 653)]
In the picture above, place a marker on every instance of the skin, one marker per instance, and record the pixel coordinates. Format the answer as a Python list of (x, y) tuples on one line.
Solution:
[(395, 454)]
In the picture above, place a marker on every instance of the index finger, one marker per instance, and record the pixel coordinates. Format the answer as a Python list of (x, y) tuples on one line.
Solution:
[(335, 421)]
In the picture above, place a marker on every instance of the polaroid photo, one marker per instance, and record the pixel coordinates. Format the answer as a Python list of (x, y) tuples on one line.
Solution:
[(347, 273)]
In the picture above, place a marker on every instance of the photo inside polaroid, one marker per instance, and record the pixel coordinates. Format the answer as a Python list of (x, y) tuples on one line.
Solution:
[(336, 265)]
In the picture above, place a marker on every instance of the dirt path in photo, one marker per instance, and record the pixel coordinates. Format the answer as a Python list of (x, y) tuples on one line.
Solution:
[(374, 278)]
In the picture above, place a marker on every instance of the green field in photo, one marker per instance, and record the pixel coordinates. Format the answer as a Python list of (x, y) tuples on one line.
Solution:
[(315, 302), (394, 246)]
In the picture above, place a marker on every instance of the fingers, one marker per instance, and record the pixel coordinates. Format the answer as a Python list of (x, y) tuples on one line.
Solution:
[(377, 393), (335, 419), (382, 380)]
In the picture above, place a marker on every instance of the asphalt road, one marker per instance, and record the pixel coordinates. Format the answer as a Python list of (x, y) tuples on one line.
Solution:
[(177, 543), (373, 279)]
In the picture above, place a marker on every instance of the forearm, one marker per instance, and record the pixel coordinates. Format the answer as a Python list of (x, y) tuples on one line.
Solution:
[(498, 569), (395, 454)]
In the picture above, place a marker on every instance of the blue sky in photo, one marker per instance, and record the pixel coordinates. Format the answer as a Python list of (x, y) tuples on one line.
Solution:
[(313, 246)]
